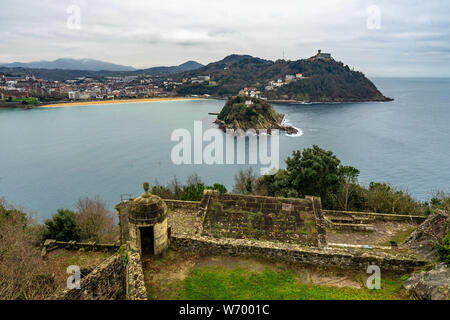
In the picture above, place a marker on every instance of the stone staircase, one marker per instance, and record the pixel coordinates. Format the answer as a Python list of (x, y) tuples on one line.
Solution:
[(348, 222)]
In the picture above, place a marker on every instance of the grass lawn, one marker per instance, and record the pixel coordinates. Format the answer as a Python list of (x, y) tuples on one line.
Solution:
[(57, 261), (29, 100), (239, 283), (400, 236), (233, 278)]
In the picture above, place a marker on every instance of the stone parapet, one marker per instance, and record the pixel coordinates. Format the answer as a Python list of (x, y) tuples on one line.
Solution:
[(105, 282), (346, 258), (135, 284)]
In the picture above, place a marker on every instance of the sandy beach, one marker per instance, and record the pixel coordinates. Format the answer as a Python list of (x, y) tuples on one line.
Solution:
[(89, 103)]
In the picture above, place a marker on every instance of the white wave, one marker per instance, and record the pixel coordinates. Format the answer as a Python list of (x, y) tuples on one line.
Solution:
[(285, 122)]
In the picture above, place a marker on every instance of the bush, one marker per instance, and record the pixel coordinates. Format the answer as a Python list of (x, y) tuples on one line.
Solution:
[(245, 182), (22, 273), (440, 200), (62, 226), (219, 187), (95, 222), (384, 198), (193, 192), (313, 172), (444, 249)]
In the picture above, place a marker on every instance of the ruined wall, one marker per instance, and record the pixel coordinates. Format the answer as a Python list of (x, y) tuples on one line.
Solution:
[(266, 218), (105, 282), (348, 258)]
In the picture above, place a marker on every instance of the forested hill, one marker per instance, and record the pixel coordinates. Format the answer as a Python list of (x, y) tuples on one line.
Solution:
[(321, 81)]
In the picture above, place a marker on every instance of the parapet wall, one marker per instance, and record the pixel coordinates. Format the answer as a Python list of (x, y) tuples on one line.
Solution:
[(182, 205), (348, 258), (105, 282), (375, 216), (135, 284), (264, 218), (51, 244)]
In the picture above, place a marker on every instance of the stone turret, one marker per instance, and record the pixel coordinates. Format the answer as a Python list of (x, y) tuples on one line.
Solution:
[(147, 224)]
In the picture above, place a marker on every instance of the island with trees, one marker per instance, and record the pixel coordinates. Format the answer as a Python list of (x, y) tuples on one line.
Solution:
[(251, 113)]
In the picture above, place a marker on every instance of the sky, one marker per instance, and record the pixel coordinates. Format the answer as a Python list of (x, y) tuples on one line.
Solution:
[(380, 38)]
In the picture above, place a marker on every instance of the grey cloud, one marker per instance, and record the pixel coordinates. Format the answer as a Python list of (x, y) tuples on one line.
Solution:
[(145, 33)]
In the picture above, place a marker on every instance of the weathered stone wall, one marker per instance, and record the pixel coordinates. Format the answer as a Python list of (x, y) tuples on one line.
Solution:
[(269, 218), (433, 230), (183, 216), (161, 242), (346, 258), (135, 284), (51, 244), (182, 205), (105, 282), (161, 238), (375, 216), (122, 211)]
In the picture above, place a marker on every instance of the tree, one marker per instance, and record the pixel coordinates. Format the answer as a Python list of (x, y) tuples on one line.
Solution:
[(193, 192), (245, 182), (62, 226), (350, 176), (219, 187), (95, 221), (314, 172)]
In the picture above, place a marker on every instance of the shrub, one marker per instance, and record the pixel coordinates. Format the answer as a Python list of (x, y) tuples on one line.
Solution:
[(384, 198), (245, 182), (22, 273), (193, 192), (219, 187), (444, 249), (95, 222), (62, 226)]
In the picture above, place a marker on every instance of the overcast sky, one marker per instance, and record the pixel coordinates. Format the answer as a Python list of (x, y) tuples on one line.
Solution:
[(379, 38)]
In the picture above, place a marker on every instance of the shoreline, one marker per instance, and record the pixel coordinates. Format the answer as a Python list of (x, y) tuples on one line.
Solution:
[(89, 103)]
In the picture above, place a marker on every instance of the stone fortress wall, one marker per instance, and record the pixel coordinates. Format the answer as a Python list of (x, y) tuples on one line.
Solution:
[(262, 218), (279, 229)]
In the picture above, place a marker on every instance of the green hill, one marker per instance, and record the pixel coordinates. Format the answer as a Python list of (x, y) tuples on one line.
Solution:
[(250, 113), (323, 80)]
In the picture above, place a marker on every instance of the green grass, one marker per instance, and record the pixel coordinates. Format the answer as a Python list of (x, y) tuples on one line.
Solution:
[(399, 237), (240, 283), (30, 100)]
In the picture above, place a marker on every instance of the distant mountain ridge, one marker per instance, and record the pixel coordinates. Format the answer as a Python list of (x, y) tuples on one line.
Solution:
[(61, 74), (187, 66), (97, 65), (70, 64)]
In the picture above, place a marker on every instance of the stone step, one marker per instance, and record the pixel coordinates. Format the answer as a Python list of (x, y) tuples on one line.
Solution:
[(353, 226), (350, 220)]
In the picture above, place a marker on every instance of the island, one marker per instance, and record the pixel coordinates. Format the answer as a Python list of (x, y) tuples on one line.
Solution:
[(246, 113)]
